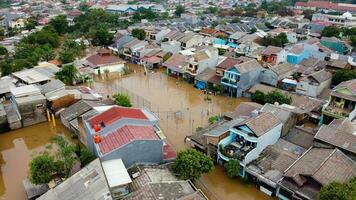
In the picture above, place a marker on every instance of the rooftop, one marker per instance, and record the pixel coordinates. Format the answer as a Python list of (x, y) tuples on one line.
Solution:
[(262, 123), (125, 135), (87, 184), (116, 173), (31, 76)]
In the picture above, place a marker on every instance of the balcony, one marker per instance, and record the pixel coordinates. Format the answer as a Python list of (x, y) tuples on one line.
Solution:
[(230, 81), (192, 70), (337, 111), (234, 148)]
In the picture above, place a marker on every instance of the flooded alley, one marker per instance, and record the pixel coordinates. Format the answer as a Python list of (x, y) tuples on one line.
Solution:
[(17, 149), (181, 108)]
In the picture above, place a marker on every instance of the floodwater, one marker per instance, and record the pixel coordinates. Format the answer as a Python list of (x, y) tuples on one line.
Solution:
[(17, 149), (181, 108)]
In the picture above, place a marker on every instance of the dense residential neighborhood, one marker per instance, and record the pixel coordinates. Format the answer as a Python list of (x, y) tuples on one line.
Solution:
[(178, 100)]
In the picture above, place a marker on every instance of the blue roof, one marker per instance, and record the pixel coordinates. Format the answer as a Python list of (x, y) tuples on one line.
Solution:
[(219, 41), (232, 45)]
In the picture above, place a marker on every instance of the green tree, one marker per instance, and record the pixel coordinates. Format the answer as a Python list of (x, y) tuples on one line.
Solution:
[(66, 155), (67, 74), (122, 100), (102, 37), (86, 157), (339, 191), (139, 33), (41, 169), (279, 40), (179, 10), (3, 51), (258, 97), (30, 24), (66, 57), (191, 164), (60, 24), (331, 31), (343, 75), (276, 96), (233, 168), (353, 41), (308, 14)]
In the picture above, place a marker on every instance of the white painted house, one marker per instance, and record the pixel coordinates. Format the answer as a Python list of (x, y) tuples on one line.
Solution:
[(249, 138), (105, 61), (312, 85)]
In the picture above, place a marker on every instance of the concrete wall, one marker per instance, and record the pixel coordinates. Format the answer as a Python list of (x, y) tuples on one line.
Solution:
[(269, 77), (269, 138), (139, 151), (111, 68)]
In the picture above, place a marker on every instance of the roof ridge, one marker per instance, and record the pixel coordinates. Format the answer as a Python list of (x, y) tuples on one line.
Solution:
[(322, 163)]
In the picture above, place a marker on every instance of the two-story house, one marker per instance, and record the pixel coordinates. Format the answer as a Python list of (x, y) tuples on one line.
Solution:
[(275, 74), (131, 134), (190, 40), (120, 40), (103, 61), (176, 65), (249, 138), (297, 53), (131, 48), (274, 55), (157, 35), (241, 77), (201, 60), (313, 84), (342, 102)]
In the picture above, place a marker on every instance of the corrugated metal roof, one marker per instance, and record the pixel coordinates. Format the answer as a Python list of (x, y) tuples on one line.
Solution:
[(125, 135), (116, 113)]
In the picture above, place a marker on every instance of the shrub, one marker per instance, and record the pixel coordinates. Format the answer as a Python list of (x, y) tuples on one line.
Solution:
[(122, 100)]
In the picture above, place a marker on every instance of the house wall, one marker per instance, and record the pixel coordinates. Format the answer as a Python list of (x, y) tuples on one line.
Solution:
[(305, 88), (281, 56), (269, 77), (111, 68), (296, 59), (173, 48), (139, 151), (196, 40), (210, 62), (123, 40), (269, 138), (313, 51), (160, 35), (32, 112), (216, 140), (248, 80)]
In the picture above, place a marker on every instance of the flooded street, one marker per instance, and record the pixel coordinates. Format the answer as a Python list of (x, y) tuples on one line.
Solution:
[(17, 148), (181, 108)]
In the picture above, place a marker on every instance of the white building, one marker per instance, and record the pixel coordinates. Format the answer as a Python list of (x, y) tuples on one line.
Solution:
[(346, 19)]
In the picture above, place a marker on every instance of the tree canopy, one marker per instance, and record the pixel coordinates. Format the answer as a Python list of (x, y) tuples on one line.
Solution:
[(138, 33), (122, 100), (67, 74), (271, 97), (233, 168), (339, 191), (41, 169), (179, 10), (60, 24), (191, 164), (343, 75), (102, 37), (279, 40)]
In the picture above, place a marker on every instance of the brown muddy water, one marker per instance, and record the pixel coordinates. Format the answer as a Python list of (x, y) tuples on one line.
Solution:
[(181, 108), (17, 148)]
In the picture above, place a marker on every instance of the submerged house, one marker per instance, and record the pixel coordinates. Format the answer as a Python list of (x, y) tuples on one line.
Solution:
[(131, 134), (249, 138), (199, 61), (241, 77), (104, 61), (176, 65)]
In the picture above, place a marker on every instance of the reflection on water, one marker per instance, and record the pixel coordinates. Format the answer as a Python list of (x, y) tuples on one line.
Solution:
[(181, 109), (17, 148)]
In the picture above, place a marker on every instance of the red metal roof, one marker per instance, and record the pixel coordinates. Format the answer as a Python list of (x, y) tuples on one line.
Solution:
[(104, 57), (116, 113), (168, 152), (125, 135)]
